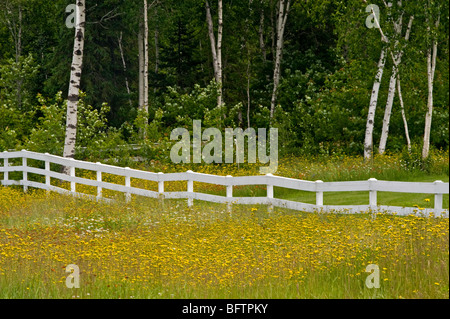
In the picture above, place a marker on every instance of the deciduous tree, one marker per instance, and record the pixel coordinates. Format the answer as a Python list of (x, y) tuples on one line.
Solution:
[(75, 81)]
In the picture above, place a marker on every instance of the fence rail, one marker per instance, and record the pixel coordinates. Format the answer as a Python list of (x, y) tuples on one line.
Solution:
[(438, 188)]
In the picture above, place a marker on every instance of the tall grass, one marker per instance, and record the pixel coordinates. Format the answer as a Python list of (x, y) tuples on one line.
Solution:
[(150, 249), (144, 250)]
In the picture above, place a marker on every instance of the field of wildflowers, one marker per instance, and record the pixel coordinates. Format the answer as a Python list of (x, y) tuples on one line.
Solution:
[(152, 249)]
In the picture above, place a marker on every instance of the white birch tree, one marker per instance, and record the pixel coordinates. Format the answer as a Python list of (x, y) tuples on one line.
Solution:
[(368, 139), (145, 70), (216, 48), (402, 107), (143, 58), (75, 80), (283, 11), (431, 68), (397, 58)]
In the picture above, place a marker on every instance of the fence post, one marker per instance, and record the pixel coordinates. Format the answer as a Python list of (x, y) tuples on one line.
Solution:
[(229, 193), (73, 186), (372, 193), (99, 179), (269, 192), (127, 184), (160, 183), (6, 164), (190, 189), (25, 174), (319, 193), (161, 187), (47, 177), (437, 200)]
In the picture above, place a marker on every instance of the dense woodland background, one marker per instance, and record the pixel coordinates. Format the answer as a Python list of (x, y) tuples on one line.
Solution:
[(328, 67)]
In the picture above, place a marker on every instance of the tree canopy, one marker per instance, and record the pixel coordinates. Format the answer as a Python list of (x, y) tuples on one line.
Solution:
[(328, 65)]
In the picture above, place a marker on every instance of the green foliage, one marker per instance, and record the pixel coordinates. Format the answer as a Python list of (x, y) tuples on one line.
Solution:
[(181, 108), (14, 126), (329, 63), (8, 139), (326, 118), (48, 134), (93, 133), (412, 160), (16, 114), (435, 163), (16, 79)]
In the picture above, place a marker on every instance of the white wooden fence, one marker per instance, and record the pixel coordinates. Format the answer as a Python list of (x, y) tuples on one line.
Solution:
[(438, 188)]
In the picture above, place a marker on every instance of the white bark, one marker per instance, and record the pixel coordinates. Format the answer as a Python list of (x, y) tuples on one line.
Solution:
[(388, 111), (75, 80), (392, 84), (402, 106), (431, 68), (145, 84), (283, 11), (212, 39), (216, 48), (368, 141), (249, 62), (143, 58)]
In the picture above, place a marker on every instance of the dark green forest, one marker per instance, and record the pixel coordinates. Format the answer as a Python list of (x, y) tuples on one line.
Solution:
[(328, 62)]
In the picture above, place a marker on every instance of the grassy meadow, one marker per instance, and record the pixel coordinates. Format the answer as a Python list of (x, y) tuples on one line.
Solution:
[(152, 249)]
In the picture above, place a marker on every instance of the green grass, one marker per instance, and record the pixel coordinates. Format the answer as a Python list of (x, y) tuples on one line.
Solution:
[(153, 249), (40, 234)]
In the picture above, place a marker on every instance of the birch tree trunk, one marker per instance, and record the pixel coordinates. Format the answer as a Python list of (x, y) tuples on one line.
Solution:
[(74, 85), (368, 140), (392, 85), (431, 67), (388, 110), (402, 106), (212, 40), (249, 62), (145, 85), (283, 12), (143, 59), (216, 48)]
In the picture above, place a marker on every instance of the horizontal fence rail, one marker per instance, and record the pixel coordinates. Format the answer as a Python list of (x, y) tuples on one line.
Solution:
[(437, 188)]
